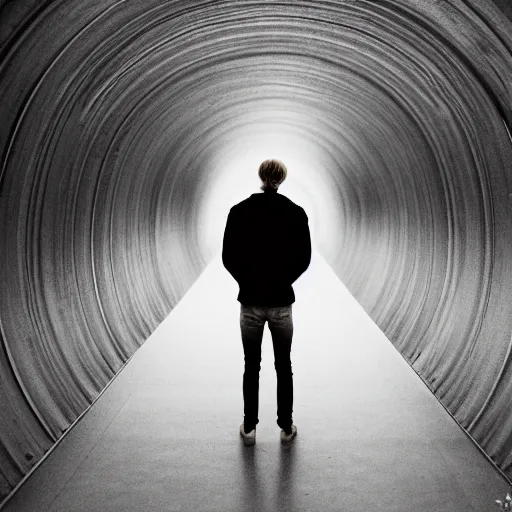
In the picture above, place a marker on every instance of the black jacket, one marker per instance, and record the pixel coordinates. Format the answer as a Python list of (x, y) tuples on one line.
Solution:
[(266, 247)]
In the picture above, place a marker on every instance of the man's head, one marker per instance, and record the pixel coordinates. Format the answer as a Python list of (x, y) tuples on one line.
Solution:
[(272, 173)]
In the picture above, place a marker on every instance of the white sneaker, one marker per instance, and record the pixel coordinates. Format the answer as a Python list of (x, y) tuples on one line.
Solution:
[(250, 438), (288, 438)]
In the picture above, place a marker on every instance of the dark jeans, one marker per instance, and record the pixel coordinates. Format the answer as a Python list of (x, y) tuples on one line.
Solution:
[(280, 324)]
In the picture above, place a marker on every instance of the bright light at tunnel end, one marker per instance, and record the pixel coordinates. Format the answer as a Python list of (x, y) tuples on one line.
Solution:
[(234, 177)]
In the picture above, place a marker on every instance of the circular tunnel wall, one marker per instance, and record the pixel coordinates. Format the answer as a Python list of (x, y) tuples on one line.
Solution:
[(129, 130)]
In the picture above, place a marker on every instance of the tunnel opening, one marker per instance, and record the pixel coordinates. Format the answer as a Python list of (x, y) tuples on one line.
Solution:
[(128, 133)]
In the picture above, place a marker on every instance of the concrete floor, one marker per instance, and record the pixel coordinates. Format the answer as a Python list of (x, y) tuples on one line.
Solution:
[(164, 435)]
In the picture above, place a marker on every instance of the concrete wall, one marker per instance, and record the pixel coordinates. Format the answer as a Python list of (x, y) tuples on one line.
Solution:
[(118, 118)]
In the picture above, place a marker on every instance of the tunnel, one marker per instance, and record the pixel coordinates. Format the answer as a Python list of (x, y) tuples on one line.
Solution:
[(129, 129)]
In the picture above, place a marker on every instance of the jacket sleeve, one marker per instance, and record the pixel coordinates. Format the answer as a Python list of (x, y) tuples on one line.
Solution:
[(300, 255), (231, 257)]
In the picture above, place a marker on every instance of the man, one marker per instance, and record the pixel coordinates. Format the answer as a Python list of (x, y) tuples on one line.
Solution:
[(266, 247)]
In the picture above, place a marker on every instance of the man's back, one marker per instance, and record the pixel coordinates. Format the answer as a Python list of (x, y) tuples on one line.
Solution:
[(267, 246)]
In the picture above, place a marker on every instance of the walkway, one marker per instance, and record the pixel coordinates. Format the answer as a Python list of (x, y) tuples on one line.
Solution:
[(164, 436)]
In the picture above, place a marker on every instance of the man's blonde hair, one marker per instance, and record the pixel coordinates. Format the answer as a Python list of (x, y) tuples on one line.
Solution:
[(272, 173)]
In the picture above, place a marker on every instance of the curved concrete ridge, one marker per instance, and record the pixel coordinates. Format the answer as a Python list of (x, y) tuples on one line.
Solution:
[(128, 130)]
